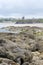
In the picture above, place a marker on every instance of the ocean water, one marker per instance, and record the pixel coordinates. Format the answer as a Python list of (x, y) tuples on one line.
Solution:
[(18, 25)]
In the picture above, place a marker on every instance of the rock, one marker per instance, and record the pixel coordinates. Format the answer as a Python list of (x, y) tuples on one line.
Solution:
[(12, 51), (36, 53), (38, 62), (34, 47), (4, 61), (35, 56), (23, 48), (41, 56), (28, 56), (41, 46), (25, 63)]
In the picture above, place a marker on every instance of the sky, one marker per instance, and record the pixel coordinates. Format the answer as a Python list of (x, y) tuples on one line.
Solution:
[(19, 8)]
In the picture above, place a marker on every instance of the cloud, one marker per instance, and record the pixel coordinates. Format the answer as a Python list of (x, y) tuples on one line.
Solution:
[(21, 8)]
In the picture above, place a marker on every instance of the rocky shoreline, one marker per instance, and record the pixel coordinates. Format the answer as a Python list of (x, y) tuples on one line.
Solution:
[(23, 47)]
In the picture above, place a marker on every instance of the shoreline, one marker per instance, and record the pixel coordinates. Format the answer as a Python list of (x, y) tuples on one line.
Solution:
[(21, 25)]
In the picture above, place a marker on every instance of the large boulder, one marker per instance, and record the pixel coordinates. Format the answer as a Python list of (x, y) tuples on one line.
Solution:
[(14, 51)]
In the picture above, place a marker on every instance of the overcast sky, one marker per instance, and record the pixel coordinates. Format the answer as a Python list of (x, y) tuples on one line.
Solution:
[(18, 8)]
